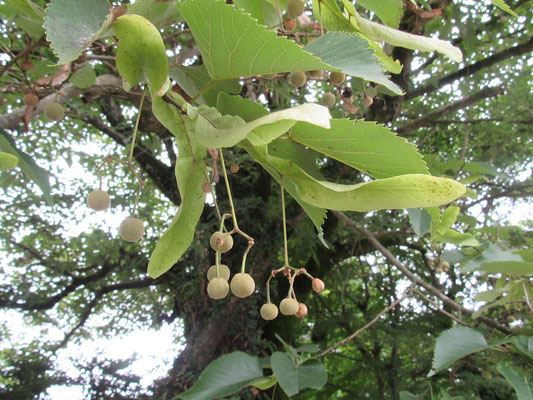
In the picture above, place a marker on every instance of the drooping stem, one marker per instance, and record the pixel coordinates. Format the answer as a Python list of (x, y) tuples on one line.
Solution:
[(243, 265), (204, 90), (235, 225), (217, 263), (285, 250), (130, 158)]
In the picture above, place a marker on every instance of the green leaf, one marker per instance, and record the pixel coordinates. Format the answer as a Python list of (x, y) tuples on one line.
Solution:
[(193, 79), (8, 161), (389, 11), (503, 5), (264, 12), (29, 8), (224, 376), (420, 220), (292, 378), (494, 252), (352, 55), (216, 130), (382, 33), (84, 78), (160, 13), (141, 53), (250, 111), (520, 380), (308, 348), (265, 382), (366, 146), (71, 29), (190, 176), (408, 396), (507, 267), (298, 154), (526, 254), (247, 49), (454, 344), (28, 165), (457, 238), (449, 216), (405, 191)]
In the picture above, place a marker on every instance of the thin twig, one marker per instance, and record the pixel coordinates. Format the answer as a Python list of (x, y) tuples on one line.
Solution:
[(528, 300), (364, 328), (441, 310)]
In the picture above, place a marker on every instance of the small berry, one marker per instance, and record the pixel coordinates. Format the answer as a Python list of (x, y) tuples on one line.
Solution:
[(218, 288), (131, 229), (315, 74), (206, 187), (337, 77), (302, 310), (297, 78), (367, 101), (329, 99), (234, 168), (269, 311), (289, 24), (295, 8), (27, 65), (30, 100), (242, 285), (318, 285), (225, 244), (289, 306), (98, 200), (54, 111), (224, 272)]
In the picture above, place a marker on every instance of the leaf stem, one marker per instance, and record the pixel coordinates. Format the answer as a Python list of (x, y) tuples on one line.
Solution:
[(204, 90), (130, 158), (284, 218), (235, 224)]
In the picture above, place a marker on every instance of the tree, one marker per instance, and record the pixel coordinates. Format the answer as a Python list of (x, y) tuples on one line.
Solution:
[(195, 112)]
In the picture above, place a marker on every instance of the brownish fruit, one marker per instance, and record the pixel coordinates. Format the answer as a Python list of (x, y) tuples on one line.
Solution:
[(98, 200), (337, 77), (367, 101), (131, 229), (269, 311), (297, 78), (30, 100), (318, 285), (315, 74), (302, 310), (234, 168), (224, 272), (27, 65), (224, 244), (289, 24), (329, 99), (270, 76), (54, 111), (206, 187), (218, 288), (295, 8), (289, 306), (242, 285)]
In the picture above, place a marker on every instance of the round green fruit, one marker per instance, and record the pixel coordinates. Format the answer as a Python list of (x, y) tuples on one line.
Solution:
[(224, 244), (289, 306), (131, 229), (298, 78), (242, 285), (54, 111), (98, 200), (269, 311), (337, 77), (315, 74), (329, 99), (218, 288), (224, 272), (295, 8)]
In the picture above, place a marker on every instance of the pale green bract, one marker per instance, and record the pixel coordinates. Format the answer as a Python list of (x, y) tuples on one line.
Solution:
[(190, 176), (141, 53), (389, 11)]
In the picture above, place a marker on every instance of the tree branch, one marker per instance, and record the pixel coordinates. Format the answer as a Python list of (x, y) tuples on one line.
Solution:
[(450, 108), (472, 69), (412, 277)]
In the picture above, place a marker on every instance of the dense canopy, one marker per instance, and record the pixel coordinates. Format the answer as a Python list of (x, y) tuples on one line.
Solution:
[(362, 169)]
